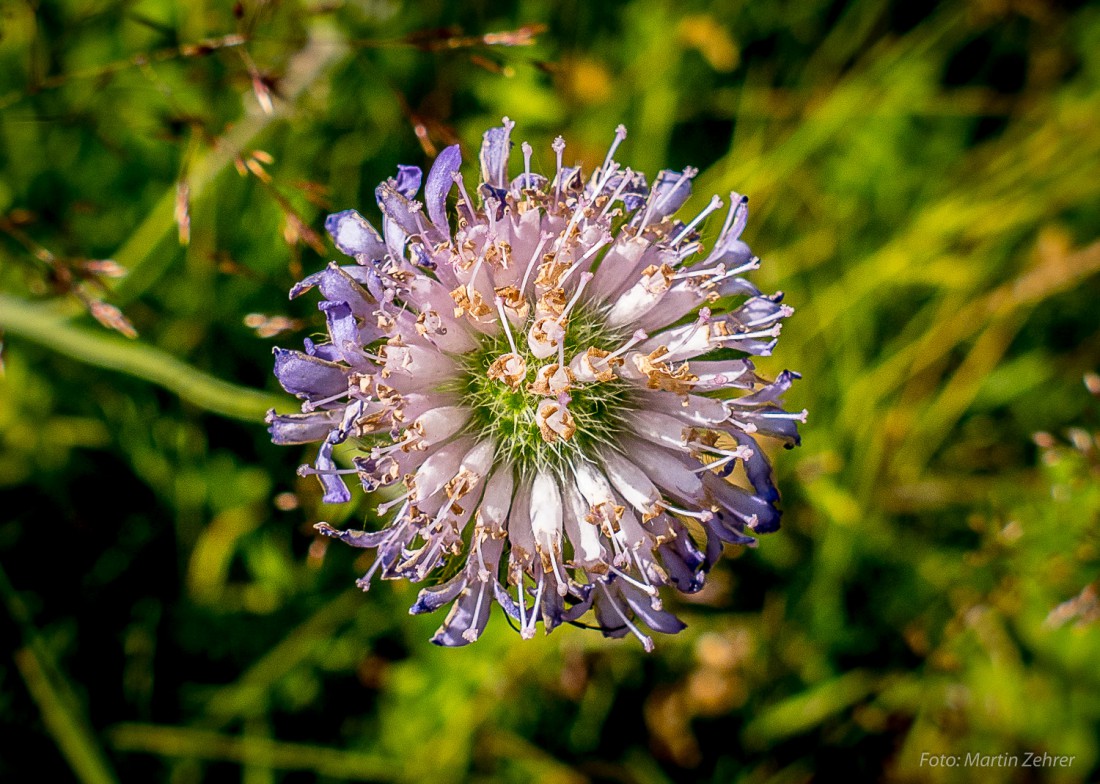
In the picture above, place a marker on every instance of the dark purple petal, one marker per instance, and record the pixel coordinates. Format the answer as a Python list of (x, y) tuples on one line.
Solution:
[(337, 285), (528, 181), (756, 348), (300, 428), (729, 248), (495, 196), (713, 550), (762, 312), (683, 561), (736, 287), (772, 392), (670, 191), (657, 620), (771, 421), (344, 333), (609, 621), (553, 607), (439, 184), (496, 146), (325, 351), (431, 599), (505, 600), (758, 468), (571, 179), (364, 276), (408, 180), (572, 613), (633, 195), (733, 255), (467, 614), (354, 236), (725, 528), (336, 492), (398, 208), (308, 377), (364, 539), (738, 507)]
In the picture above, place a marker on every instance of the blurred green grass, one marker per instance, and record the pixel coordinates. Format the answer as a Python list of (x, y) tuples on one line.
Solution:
[(924, 185)]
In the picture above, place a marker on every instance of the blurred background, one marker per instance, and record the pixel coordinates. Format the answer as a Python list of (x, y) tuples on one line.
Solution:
[(925, 187)]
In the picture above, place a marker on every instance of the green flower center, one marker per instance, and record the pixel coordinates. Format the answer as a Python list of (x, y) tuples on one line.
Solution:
[(509, 415)]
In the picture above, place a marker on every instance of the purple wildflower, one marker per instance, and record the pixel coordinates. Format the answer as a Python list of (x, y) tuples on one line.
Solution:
[(553, 391)]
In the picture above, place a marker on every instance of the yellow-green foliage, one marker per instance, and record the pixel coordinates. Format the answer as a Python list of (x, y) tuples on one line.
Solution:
[(925, 187)]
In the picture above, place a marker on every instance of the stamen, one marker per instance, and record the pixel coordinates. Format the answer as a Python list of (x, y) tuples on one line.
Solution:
[(654, 597), (308, 470), (585, 277), (737, 203), (763, 333), (785, 311), (601, 183), (620, 135), (714, 204), (363, 583), (701, 516), (751, 264), (687, 250), (526, 161), (311, 405), (470, 634), (604, 240), (646, 641), (380, 451), (628, 177), (563, 580), (543, 239), (388, 505), (650, 206), (649, 589), (739, 452), (529, 631), (637, 337), (746, 427), (483, 572), (522, 601), (718, 273), (799, 416), (473, 276), (507, 328), (489, 207), (457, 176), (714, 465), (559, 147)]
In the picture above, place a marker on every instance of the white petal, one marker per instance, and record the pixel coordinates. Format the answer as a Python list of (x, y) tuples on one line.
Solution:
[(631, 482), (520, 535), (546, 512), (440, 468), (497, 500), (480, 459), (592, 484), (583, 535), (672, 471), (660, 428), (440, 424)]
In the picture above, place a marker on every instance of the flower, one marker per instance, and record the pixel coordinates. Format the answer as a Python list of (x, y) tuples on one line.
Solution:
[(554, 389)]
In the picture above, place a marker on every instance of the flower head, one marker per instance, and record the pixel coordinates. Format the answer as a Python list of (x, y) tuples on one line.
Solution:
[(553, 385)]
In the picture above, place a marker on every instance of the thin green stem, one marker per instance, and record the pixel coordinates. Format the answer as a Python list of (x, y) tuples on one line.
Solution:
[(41, 325)]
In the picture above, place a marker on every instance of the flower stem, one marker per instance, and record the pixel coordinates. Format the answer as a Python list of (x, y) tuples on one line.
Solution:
[(38, 324)]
